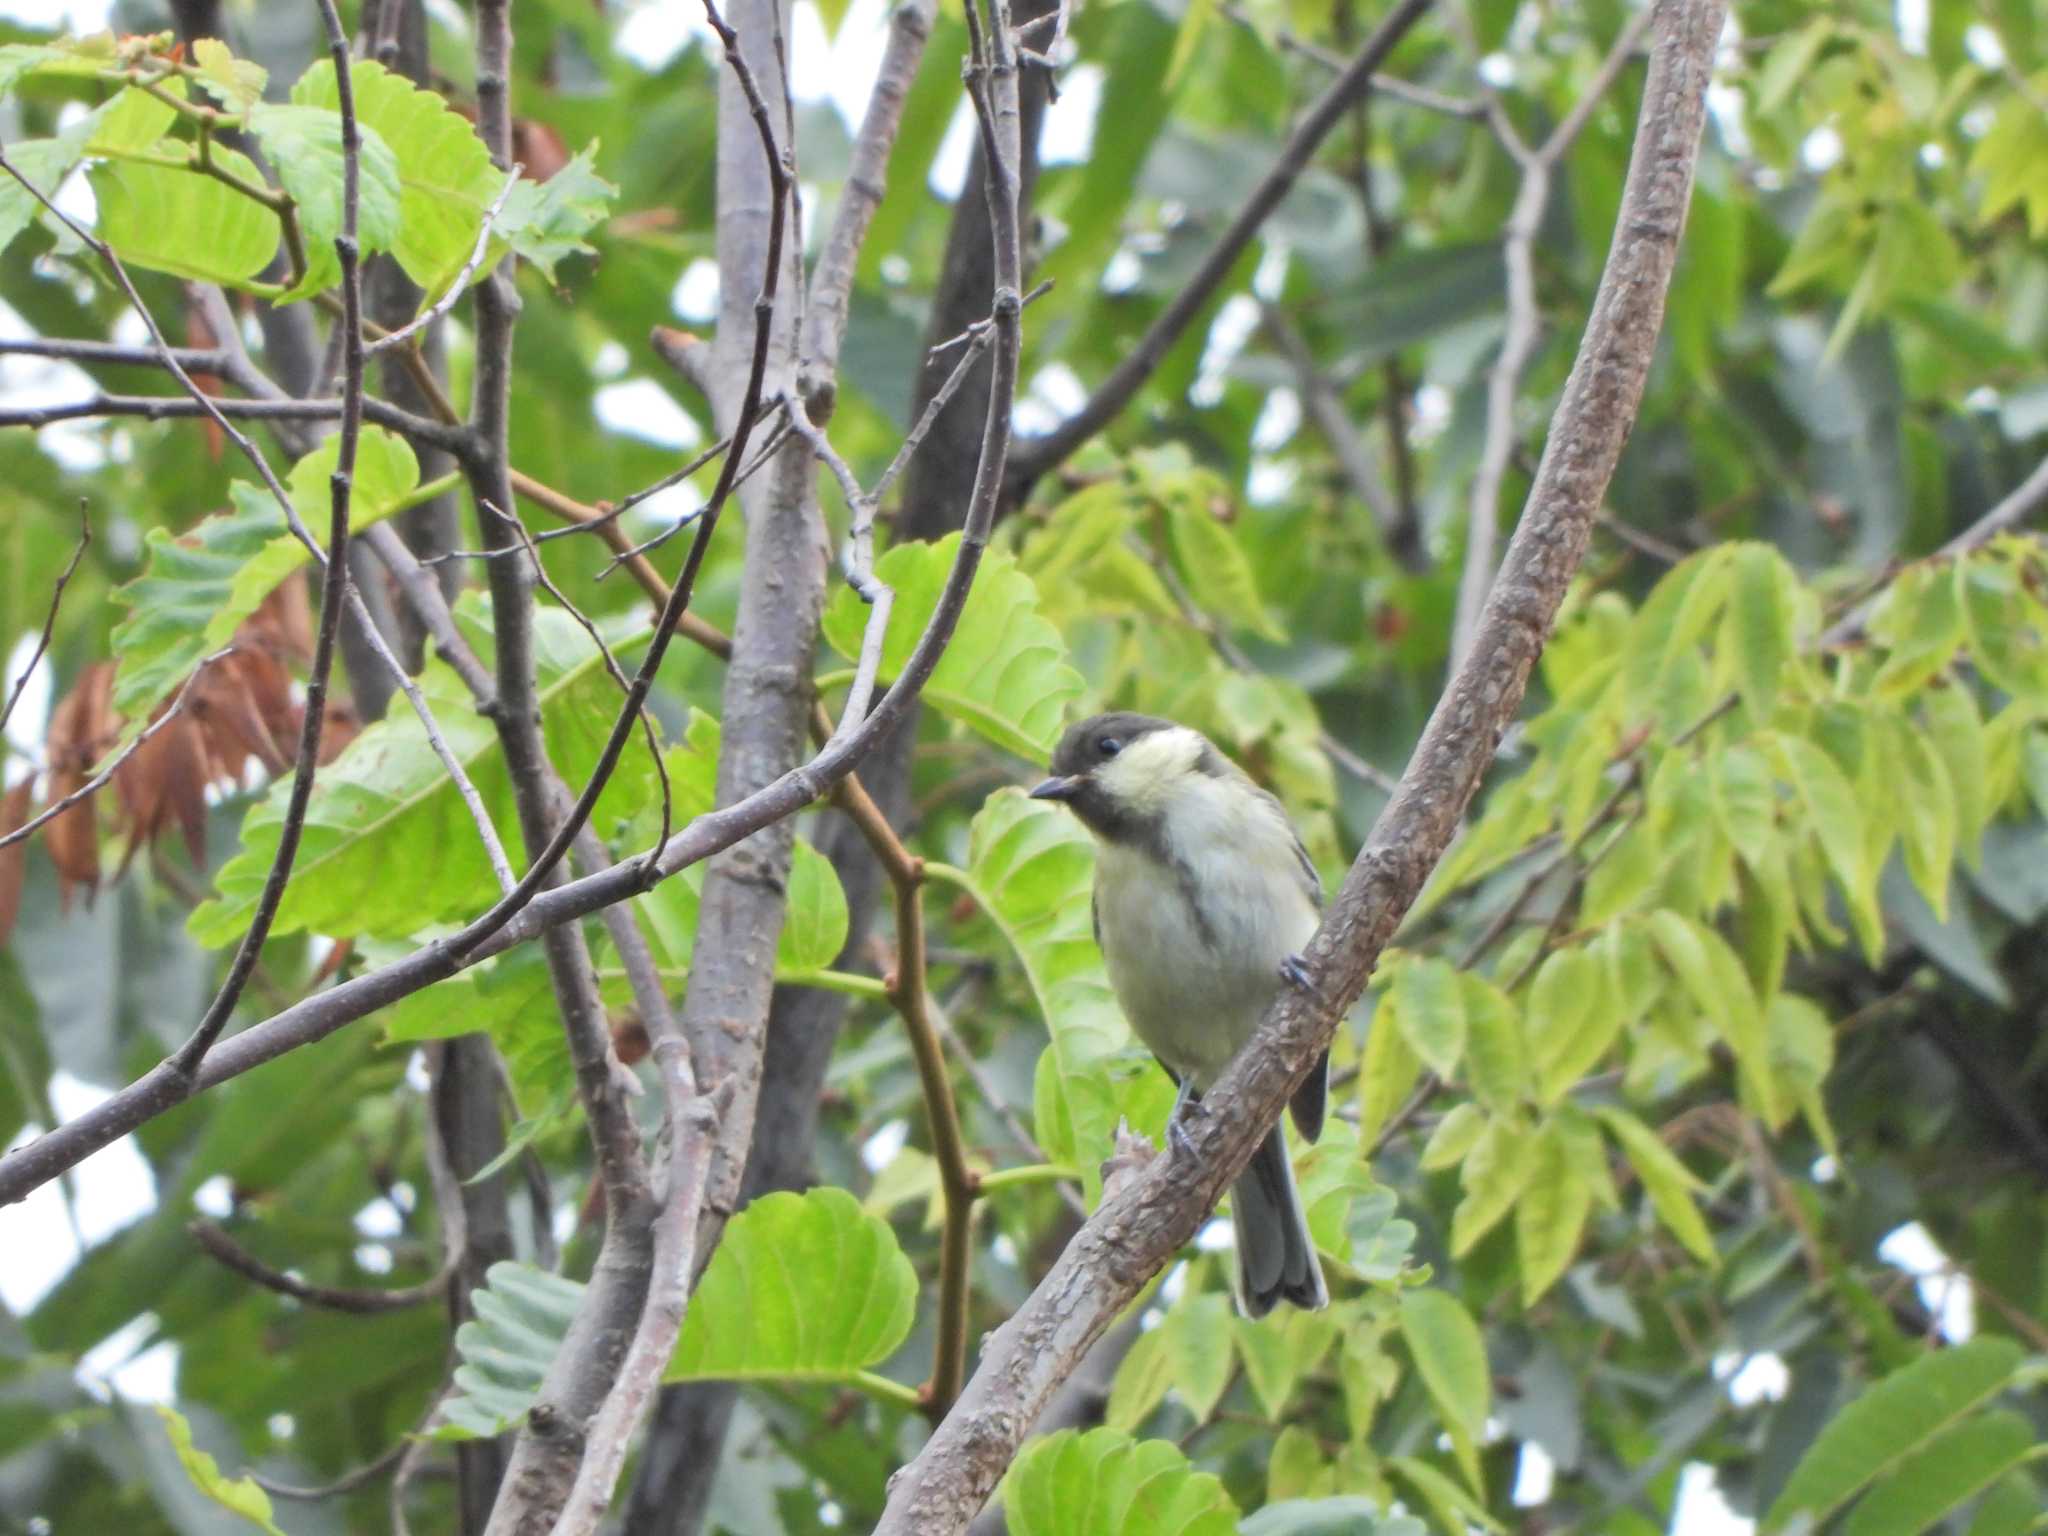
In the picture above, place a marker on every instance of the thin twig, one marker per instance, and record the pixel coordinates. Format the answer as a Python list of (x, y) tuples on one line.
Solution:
[(50, 618), (1037, 455), (216, 1241), (446, 302)]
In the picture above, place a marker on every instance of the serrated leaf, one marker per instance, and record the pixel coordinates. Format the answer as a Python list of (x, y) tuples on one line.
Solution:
[(521, 1316), (1450, 1357), (1387, 1071), (445, 176), (1550, 1214), (1493, 1174), (1573, 1019), (1720, 989), (237, 84), (1033, 869), (1902, 1415), (1214, 565), (45, 162), (1104, 1483), (1429, 1001), (303, 145), (545, 221), (239, 1495), (1757, 629), (1196, 1338), (1667, 1181), (387, 803), (1496, 1060), (1944, 1475), (1141, 1383), (1005, 674), (802, 1287), (1454, 1136), (183, 223)]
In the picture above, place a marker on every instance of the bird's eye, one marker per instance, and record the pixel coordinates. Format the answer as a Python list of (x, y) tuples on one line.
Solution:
[(1108, 746)]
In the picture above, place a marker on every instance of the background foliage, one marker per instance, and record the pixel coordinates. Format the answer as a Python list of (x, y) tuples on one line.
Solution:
[(1725, 1002)]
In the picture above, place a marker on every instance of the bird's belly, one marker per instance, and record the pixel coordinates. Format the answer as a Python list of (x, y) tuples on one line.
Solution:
[(1194, 976)]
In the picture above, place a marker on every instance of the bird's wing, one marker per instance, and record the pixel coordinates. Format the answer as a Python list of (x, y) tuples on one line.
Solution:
[(1311, 879), (1095, 916)]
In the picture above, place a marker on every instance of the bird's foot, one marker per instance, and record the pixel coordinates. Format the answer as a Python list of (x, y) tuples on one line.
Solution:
[(1187, 1106), (1294, 971)]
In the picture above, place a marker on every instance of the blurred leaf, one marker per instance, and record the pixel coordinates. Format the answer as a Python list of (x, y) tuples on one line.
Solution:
[(1103, 1483), (240, 1495)]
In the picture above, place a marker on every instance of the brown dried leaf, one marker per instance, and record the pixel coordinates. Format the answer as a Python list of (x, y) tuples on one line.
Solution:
[(82, 730), (14, 858), (164, 782)]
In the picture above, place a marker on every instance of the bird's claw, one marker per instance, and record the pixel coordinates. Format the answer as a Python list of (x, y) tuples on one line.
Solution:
[(1294, 971), (1186, 1105), (1178, 1138)]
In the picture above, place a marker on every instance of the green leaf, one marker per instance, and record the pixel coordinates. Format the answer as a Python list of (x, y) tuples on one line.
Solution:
[(1927, 814), (386, 802), (1954, 1468), (1450, 1357), (545, 221), (1344, 1514), (1214, 565), (241, 1495), (303, 144), (1032, 869), (45, 162), (1387, 1071), (1005, 674), (1719, 987), (1271, 1364), (1455, 1510), (183, 223), (1550, 1214), (1666, 1180), (1196, 1339), (1673, 621), (1494, 1173), (1141, 1383), (521, 1317), (134, 120), (1901, 1416), (1429, 1001), (1455, 1135), (237, 84), (2011, 160), (1104, 1483), (1831, 810), (445, 176), (1573, 1018), (802, 1287), (1757, 629), (1956, 731), (1496, 1062)]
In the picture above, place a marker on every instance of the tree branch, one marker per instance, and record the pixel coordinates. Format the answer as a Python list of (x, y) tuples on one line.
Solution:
[(1035, 456), (1137, 1229)]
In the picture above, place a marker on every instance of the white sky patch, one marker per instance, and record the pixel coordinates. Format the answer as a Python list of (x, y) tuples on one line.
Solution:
[(1933, 155), (1271, 481), (1825, 1169), (1984, 46), (380, 1218), (1821, 149), (114, 1188), (1945, 1292), (880, 1149), (1752, 1379), (1729, 107), (373, 1258), (113, 1368), (696, 292), (1911, 18), (31, 715), (1432, 413), (1232, 328), (1497, 70), (29, 381), (1172, 1287), (1215, 1236), (215, 1198), (1004, 1249), (611, 359), (1269, 281), (1535, 1476), (1977, 122), (1701, 1509), (77, 17), (1278, 421), (956, 151), (642, 408), (1060, 388), (1123, 271), (1069, 131)]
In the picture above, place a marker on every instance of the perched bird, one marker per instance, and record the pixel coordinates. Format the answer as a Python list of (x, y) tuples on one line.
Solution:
[(1204, 898)]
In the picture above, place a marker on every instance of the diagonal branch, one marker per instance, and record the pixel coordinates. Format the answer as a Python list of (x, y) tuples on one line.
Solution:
[(1138, 1229)]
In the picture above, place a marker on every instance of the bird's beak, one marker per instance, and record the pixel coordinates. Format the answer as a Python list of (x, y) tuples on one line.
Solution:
[(1058, 787)]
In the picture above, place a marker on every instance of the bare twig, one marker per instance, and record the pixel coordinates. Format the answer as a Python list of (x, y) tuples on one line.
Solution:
[(218, 410), (1524, 323), (216, 1241), (1139, 1227), (426, 317), (1039, 454), (50, 618)]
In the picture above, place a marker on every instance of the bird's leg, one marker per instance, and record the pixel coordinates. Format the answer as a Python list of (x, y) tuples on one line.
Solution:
[(1184, 1109), (1294, 971)]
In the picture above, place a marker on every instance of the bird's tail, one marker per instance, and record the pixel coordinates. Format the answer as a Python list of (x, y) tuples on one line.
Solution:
[(1276, 1257)]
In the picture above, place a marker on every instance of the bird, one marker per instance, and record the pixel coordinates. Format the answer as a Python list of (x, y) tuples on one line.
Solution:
[(1204, 899)]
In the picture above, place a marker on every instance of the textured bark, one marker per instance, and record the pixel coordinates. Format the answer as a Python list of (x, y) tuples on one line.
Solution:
[(1136, 1230)]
